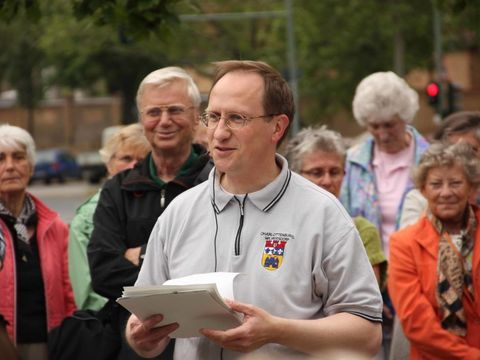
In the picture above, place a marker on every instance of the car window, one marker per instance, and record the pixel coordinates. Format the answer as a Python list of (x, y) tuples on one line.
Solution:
[(45, 156), (68, 157)]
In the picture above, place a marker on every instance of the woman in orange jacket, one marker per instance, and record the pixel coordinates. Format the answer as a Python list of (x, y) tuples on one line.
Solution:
[(434, 275)]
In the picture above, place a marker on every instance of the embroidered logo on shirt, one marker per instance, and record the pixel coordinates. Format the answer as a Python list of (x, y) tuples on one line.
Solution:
[(274, 249)]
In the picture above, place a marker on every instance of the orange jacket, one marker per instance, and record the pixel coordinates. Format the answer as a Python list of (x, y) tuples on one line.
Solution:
[(412, 281)]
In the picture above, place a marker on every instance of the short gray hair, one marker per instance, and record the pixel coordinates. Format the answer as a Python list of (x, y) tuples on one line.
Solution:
[(382, 96), (311, 139), (15, 137), (167, 75), (459, 123), (443, 154)]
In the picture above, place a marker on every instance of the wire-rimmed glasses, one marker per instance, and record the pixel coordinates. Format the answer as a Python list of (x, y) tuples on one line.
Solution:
[(232, 120), (154, 113)]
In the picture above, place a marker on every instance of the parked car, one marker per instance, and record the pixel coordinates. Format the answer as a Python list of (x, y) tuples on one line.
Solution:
[(93, 168), (56, 164)]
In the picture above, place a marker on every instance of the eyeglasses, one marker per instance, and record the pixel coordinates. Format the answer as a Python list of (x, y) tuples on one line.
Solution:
[(318, 173), (154, 113), (232, 120)]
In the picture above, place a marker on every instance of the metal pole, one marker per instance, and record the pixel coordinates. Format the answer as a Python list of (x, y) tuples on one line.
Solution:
[(233, 16), (437, 37), (437, 57), (292, 64)]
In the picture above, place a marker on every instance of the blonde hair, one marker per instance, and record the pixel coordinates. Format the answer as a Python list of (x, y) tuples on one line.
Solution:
[(444, 154), (130, 135)]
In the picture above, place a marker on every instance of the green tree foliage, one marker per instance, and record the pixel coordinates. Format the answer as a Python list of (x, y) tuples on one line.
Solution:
[(132, 18), (21, 60), (338, 43), (94, 58), (11, 9), (99, 46), (461, 24), (111, 42), (203, 41), (342, 42), (106, 46)]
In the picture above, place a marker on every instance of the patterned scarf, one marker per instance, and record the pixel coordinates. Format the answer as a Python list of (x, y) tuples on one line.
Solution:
[(454, 274), (27, 217)]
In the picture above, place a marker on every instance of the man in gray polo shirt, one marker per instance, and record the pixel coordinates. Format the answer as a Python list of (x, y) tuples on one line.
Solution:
[(309, 284)]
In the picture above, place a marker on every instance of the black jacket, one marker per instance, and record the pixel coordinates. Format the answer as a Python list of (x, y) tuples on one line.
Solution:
[(129, 206)]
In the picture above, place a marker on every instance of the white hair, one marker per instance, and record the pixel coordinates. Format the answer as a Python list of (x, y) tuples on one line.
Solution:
[(15, 137), (167, 75), (311, 139), (383, 95)]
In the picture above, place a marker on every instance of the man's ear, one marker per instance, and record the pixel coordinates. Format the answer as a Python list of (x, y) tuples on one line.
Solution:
[(280, 126), (196, 118)]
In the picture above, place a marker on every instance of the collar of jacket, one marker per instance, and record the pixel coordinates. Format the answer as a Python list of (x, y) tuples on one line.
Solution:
[(138, 178), (362, 154), (428, 238)]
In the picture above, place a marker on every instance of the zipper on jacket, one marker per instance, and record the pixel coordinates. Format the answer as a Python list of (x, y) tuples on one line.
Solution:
[(240, 225), (162, 198), (9, 241)]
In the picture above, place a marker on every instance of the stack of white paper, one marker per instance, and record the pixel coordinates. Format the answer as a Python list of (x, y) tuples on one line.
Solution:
[(193, 302)]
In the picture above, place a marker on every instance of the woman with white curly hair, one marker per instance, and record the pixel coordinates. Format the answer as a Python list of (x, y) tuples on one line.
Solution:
[(378, 170)]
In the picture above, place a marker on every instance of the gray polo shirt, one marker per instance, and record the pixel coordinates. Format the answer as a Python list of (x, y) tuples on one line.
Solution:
[(298, 247)]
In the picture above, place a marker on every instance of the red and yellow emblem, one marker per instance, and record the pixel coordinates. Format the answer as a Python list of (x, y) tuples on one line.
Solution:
[(273, 254)]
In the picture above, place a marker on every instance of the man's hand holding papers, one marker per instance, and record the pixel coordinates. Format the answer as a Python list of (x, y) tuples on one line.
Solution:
[(192, 302)]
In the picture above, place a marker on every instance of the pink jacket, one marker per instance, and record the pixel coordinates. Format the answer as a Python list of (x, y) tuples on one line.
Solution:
[(412, 281), (52, 238)]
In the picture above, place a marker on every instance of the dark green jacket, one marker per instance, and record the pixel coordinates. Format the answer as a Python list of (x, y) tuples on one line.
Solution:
[(130, 204)]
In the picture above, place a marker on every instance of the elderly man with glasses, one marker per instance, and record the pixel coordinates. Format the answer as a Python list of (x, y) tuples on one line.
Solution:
[(308, 286), (130, 203)]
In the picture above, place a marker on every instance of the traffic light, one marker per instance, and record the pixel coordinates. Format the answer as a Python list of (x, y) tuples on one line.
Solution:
[(434, 94), (453, 97)]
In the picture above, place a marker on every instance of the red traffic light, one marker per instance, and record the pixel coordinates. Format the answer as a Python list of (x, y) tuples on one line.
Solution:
[(433, 89)]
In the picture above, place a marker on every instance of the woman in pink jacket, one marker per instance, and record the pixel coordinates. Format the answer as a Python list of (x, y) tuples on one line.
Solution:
[(35, 290), (434, 276)]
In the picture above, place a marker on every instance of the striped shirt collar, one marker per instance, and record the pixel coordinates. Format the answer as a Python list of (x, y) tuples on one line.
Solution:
[(264, 199)]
